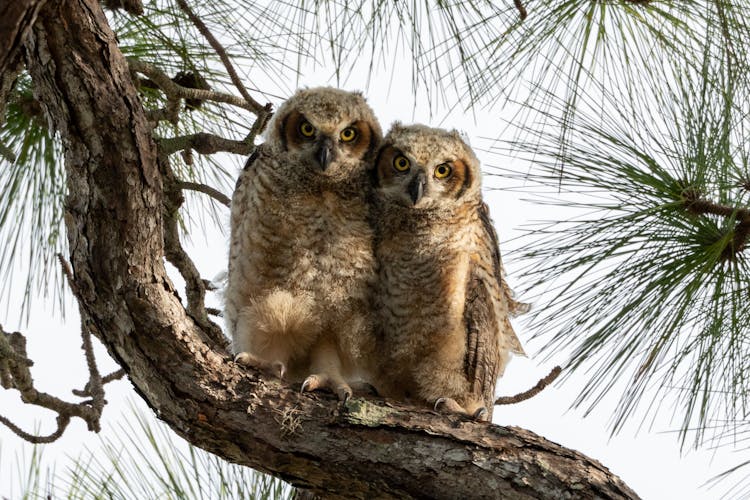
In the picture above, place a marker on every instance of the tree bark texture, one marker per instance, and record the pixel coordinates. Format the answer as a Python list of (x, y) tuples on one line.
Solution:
[(16, 18), (361, 449)]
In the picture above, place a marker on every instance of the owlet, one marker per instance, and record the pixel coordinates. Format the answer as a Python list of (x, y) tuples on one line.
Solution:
[(444, 305), (300, 259)]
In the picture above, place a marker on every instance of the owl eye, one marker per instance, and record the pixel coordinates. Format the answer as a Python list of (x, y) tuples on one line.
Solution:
[(348, 134), (306, 129), (443, 171), (401, 163)]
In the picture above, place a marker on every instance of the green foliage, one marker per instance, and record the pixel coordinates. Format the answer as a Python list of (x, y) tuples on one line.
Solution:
[(641, 279), (142, 458)]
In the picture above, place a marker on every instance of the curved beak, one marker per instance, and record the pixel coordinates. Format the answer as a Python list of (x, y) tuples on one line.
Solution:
[(416, 187), (324, 154)]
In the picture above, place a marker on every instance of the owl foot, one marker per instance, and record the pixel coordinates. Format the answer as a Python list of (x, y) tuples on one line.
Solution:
[(449, 405), (323, 381), (273, 368), (363, 388)]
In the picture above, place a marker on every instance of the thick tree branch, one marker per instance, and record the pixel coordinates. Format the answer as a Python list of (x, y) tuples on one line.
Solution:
[(114, 219)]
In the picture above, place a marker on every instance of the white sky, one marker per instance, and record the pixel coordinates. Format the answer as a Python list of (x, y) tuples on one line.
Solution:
[(648, 460)]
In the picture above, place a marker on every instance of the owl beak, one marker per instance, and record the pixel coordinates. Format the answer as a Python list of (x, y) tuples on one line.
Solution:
[(324, 155), (416, 187)]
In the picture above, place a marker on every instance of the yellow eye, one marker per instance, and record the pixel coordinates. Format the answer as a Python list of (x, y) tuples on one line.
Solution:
[(401, 163), (348, 134), (443, 171), (306, 129)]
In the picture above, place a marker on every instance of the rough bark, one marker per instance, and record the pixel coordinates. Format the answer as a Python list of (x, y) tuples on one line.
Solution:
[(16, 17), (363, 449)]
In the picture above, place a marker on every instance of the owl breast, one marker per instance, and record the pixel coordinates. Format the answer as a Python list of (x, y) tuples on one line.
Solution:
[(306, 241)]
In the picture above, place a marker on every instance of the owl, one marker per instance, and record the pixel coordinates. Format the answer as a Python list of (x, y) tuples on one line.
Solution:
[(444, 334), (301, 246)]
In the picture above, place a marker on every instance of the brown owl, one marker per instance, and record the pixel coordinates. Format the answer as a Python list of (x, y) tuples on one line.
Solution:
[(300, 258), (444, 335)]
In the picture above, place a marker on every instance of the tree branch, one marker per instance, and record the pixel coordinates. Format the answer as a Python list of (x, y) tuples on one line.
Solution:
[(697, 205), (539, 387), (176, 255), (522, 13), (204, 143), (258, 108), (172, 89), (116, 226), (202, 188)]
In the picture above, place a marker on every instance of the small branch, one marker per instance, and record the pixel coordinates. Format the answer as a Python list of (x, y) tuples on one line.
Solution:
[(202, 188), (700, 206), (86, 392), (539, 387), (214, 312), (170, 113), (258, 108), (62, 424), (176, 255), (15, 374), (173, 90), (521, 9), (259, 125), (204, 143)]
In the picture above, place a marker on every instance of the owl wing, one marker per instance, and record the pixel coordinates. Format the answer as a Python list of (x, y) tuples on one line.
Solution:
[(489, 304)]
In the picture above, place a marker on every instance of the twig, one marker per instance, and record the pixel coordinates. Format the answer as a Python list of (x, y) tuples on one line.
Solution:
[(260, 124), (204, 143), (523, 396), (258, 108), (14, 366), (521, 9), (214, 312), (202, 188), (62, 424), (86, 391), (172, 89)]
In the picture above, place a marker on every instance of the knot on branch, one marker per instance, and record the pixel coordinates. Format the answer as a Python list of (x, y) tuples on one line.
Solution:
[(191, 80)]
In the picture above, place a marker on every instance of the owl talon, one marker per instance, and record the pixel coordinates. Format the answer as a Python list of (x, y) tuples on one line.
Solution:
[(448, 405), (322, 381), (481, 414), (274, 368)]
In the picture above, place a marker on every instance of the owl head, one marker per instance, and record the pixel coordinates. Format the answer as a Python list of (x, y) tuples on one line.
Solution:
[(327, 130), (425, 168)]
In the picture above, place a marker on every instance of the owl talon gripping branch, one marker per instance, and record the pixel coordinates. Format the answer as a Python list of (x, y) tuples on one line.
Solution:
[(274, 368), (323, 381)]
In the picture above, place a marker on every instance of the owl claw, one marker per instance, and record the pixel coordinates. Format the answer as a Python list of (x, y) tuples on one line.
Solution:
[(274, 368), (448, 405), (323, 381), (480, 415)]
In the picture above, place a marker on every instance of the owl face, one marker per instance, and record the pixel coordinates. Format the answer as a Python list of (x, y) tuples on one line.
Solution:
[(425, 168), (326, 130)]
